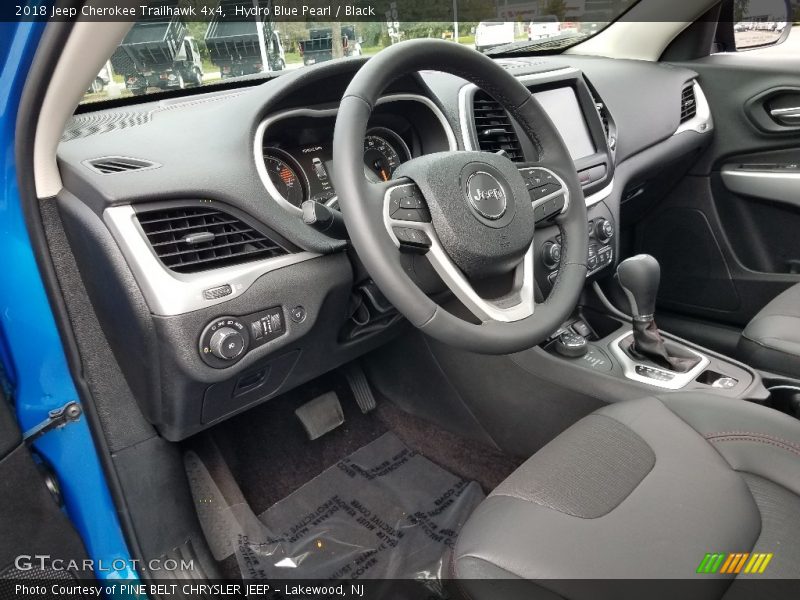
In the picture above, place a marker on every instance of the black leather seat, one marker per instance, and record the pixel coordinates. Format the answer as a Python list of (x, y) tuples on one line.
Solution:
[(771, 341), (642, 489)]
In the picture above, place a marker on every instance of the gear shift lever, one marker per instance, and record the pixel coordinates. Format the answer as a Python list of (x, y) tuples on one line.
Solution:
[(639, 277)]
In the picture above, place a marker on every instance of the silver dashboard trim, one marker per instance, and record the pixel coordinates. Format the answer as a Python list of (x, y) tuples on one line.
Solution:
[(600, 195), (679, 381), (258, 142), (703, 121), (168, 293)]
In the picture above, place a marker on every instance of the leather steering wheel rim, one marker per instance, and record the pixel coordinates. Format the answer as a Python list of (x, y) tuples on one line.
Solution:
[(362, 202)]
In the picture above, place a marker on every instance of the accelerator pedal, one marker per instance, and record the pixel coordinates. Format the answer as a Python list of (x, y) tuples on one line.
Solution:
[(360, 387), (321, 415)]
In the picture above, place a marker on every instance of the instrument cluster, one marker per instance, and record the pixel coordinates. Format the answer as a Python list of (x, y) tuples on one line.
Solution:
[(303, 171)]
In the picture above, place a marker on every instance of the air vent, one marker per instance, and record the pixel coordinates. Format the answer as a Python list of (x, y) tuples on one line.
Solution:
[(493, 127), (119, 164), (191, 239), (602, 111), (688, 103)]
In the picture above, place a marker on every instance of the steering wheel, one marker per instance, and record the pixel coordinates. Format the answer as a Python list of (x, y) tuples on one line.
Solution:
[(472, 214)]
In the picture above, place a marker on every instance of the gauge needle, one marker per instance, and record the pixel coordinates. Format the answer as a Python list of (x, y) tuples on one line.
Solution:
[(384, 176)]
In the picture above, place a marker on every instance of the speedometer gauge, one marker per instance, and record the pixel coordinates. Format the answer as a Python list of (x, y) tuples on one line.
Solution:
[(384, 151), (284, 176)]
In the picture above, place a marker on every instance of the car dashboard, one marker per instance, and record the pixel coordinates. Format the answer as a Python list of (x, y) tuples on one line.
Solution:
[(185, 214)]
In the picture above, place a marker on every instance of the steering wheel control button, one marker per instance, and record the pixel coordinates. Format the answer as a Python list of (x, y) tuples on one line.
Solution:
[(544, 191), (217, 292), (486, 195), (412, 202), (548, 209), (412, 240), (571, 345), (227, 343), (297, 314), (407, 204)]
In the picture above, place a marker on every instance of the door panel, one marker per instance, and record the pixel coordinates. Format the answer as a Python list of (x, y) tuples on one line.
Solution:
[(728, 236)]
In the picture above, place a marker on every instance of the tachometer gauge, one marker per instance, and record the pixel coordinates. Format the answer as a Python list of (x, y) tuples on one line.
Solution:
[(384, 151), (284, 176)]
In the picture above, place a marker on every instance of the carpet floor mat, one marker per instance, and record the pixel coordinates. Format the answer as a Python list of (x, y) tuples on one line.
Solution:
[(383, 512)]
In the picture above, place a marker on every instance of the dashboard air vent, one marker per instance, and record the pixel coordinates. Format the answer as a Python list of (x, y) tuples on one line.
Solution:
[(688, 103), (197, 238), (119, 164), (493, 127)]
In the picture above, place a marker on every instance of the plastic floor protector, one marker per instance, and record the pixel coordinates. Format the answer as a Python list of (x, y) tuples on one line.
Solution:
[(384, 512)]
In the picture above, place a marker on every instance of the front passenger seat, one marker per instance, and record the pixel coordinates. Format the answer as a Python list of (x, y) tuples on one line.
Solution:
[(641, 489), (771, 341)]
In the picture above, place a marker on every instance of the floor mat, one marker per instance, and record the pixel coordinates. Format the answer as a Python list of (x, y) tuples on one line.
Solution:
[(384, 511)]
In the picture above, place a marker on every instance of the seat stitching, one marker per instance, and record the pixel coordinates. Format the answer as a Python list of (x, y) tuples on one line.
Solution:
[(762, 439), (752, 433)]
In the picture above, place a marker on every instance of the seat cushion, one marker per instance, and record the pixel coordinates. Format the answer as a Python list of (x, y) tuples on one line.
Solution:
[(771, 341), (639, 489)]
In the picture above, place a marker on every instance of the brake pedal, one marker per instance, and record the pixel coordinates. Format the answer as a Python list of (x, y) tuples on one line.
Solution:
[(360, 387), (321, 415)]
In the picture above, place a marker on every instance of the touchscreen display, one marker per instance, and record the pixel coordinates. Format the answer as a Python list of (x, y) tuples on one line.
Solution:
[(561, 104)]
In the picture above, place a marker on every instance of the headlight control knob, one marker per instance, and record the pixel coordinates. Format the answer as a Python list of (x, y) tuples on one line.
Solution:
[(224, 342), (227, 343)]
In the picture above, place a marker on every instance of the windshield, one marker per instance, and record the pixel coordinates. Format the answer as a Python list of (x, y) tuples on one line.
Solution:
[(176, 44)]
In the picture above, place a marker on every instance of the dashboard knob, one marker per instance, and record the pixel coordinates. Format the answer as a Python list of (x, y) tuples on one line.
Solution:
[(227, 343), (603, 230), (551, 254)]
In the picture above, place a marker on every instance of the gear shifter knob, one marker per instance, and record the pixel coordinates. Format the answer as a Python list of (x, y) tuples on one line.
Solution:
[(639, 277)]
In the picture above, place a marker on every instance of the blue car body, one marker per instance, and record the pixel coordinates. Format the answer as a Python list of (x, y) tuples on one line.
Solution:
[(36, 371)]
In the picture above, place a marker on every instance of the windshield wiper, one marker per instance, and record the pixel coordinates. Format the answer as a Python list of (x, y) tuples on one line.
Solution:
[(522, 47)]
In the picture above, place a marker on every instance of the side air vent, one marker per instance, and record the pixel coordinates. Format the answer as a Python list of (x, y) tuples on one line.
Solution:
[(493, 127), (605, 116), (688, 103), (191, 239), (119, 164)]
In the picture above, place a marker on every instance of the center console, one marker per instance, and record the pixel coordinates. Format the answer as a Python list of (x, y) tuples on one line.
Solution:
[(633, 349), (605, 349)]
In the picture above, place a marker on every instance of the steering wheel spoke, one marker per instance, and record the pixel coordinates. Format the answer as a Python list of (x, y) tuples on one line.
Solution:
[(409, 225), (548, 192)]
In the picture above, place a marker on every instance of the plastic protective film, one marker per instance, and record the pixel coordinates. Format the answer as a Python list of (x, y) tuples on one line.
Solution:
[(384, 512)]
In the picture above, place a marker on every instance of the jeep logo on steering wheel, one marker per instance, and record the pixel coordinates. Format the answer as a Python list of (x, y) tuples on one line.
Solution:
[(486, 195)]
